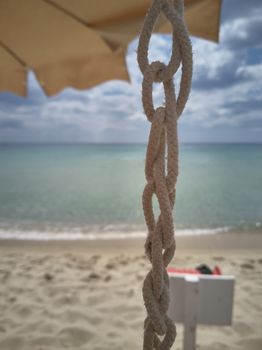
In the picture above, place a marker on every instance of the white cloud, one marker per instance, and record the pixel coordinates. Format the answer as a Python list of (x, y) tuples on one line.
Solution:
[(226, 93)]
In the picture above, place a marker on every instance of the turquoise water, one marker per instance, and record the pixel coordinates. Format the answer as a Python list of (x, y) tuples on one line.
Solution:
[(77, 191)]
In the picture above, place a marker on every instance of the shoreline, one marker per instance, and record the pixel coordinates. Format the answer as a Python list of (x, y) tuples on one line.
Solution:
[(222, 242)]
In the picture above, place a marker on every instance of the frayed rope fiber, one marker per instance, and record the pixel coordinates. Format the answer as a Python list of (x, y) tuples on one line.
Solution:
[(161, 168)]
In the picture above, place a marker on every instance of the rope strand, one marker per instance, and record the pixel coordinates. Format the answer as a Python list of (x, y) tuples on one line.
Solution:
[(161, 177)]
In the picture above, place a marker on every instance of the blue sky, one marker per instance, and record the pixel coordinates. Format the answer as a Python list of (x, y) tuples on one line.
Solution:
[(225, 104)]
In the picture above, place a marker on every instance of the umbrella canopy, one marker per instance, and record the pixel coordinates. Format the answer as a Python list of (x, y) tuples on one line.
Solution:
[(80, 43)]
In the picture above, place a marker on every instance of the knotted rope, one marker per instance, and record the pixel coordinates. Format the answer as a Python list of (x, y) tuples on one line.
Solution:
[(161, 177)]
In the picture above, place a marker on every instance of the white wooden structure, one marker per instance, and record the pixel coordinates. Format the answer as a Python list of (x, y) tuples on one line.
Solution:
[(200, 299)]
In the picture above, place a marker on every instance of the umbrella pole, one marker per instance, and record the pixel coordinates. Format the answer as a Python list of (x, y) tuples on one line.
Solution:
[(161, 167)]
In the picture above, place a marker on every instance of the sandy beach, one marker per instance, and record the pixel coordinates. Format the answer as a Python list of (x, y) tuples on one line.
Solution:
[(87, 295)]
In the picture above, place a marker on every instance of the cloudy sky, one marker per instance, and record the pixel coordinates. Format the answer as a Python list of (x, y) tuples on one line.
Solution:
[(225, 104)]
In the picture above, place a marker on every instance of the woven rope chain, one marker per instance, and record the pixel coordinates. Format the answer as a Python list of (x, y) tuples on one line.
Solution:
[(161, 177)]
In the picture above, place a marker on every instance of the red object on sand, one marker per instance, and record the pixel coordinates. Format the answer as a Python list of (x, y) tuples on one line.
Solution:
[(216, 271), (189, 271)]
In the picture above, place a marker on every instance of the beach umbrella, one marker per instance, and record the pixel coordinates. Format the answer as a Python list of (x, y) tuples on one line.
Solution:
[(80, 43)]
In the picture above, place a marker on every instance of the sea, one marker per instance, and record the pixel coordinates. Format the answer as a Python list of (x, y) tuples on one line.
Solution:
[(93, 191)]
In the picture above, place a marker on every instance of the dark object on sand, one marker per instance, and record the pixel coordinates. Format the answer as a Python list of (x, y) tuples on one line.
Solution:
[(204, 269), (48, 277)]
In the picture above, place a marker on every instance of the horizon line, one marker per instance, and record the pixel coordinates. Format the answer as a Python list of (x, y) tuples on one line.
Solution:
[(125, 143)]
